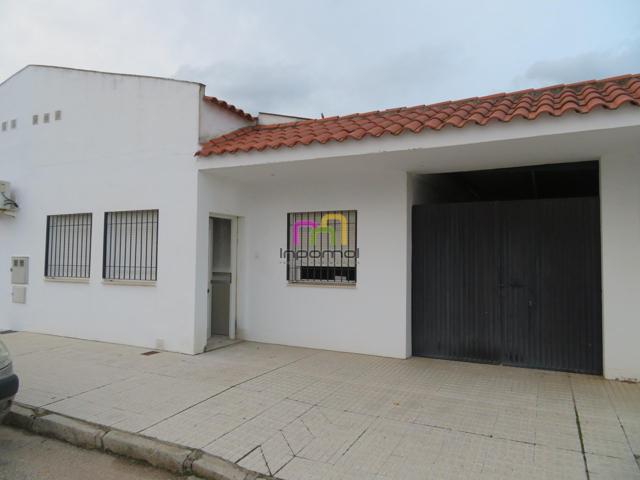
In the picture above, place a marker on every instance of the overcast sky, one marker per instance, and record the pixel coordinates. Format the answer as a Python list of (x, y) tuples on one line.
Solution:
[(305, 57)]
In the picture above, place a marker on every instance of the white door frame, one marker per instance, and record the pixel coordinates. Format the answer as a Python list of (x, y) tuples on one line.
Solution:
[(233, 287)]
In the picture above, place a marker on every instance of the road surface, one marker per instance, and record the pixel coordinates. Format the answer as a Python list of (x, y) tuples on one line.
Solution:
[(25, 456)]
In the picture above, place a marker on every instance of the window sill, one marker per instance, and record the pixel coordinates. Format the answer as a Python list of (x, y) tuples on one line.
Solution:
[(322, 284), (133, 283), (66, 280)]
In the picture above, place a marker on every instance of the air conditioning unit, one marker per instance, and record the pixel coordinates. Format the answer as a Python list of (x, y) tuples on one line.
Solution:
[(8, 205)]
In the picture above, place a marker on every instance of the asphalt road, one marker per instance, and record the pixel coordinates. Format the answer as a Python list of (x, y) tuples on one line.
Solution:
[(25, 456)]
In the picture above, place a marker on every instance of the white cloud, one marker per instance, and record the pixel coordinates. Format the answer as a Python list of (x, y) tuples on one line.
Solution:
[(588, 65), (305, 57), (313, 88)]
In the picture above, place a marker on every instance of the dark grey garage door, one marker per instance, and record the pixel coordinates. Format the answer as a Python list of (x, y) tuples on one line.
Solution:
[(515, 282)]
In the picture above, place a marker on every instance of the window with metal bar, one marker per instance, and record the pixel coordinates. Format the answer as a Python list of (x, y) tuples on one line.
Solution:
[(130, 249), (68, 247), (322, 247)]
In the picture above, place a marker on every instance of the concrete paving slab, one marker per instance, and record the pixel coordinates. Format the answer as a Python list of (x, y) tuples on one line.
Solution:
[(304, 414)]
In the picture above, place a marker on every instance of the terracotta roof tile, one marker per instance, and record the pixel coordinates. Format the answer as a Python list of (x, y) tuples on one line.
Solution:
[(556, 100), (229, 107)]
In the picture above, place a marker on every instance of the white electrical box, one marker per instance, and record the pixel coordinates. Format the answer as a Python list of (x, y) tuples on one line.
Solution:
[(20, 270), (19, 294)]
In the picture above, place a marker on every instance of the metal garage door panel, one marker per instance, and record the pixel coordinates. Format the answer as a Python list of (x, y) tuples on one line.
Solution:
[(519, 270), (456, 307), (551, 296), (509, 282)]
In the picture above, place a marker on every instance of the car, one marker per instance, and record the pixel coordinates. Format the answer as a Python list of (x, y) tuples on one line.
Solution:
[(8, 381)]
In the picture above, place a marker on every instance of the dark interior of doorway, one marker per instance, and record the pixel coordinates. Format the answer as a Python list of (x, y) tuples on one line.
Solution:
[(564, 180), (220, 275)]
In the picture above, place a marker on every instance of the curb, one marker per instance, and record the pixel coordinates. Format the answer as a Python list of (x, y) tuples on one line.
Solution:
[(160, 454)]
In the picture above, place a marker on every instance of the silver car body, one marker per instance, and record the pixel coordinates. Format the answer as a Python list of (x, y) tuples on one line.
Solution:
[(8, 380)]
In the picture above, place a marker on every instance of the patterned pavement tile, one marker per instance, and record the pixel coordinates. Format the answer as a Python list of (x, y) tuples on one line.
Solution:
[(307, 414)]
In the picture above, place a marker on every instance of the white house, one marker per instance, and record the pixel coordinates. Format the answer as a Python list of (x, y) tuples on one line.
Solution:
[(503, 229)]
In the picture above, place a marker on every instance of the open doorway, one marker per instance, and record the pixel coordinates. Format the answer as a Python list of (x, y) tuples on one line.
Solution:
[(222, 282)]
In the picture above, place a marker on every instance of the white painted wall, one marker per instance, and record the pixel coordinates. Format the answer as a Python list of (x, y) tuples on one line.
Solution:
[(124, 143), (265, 118), (370, 318), (216, 120), (620, 204)]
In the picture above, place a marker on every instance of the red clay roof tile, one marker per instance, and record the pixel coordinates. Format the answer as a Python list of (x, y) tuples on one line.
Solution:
[(229, 107), (556, 100)]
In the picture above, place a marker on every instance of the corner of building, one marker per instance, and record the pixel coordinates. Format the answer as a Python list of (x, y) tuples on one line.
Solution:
[(620, 198)]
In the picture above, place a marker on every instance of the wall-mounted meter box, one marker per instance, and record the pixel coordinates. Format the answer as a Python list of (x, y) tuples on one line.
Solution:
[(19, 294), (20, 270)]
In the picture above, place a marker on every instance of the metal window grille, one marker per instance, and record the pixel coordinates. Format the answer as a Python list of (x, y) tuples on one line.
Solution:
[(68, 247), (130, 245), (322, 247)]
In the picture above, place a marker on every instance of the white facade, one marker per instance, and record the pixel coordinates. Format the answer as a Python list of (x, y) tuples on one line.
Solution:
[(122, 143), (368, 318), (128, 143)]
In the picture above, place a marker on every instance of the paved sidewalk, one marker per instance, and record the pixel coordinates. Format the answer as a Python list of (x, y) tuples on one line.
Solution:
[(307, 414)]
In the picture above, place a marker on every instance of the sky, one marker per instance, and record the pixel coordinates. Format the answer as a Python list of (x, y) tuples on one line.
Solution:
[(313, 57)]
